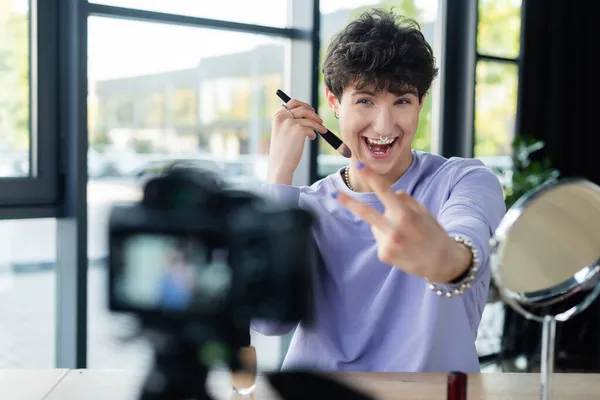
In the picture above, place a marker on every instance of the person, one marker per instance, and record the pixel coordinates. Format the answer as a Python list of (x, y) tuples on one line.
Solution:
[(176, 285), (402, 234)]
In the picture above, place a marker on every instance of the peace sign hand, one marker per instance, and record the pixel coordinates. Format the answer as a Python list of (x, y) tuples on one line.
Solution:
[(407, 235)]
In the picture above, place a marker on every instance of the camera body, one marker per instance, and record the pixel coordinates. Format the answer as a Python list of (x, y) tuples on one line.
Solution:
[(196, 256), (196, 262)]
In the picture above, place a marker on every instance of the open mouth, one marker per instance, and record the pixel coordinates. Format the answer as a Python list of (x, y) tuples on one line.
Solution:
[(378, 148)]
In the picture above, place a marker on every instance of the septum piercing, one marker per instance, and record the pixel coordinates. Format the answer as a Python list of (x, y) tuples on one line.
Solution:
[(384, 140)]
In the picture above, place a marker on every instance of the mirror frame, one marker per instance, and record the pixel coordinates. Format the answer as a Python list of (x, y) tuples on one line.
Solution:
[(553, 294)]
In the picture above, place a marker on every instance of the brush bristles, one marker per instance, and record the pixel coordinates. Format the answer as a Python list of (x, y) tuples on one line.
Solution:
[(345, 151)]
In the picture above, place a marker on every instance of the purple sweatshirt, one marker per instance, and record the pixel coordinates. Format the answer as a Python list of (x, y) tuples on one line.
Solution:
[(372, 316)]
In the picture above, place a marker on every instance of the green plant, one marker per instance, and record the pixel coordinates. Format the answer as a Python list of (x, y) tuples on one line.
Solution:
[(526, 174)]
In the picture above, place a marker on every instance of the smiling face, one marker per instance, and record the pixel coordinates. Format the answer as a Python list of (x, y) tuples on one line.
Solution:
[(377, 71), (366, 115)]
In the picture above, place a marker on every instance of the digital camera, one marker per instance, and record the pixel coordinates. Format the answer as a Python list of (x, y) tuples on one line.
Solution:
[(196, 251)]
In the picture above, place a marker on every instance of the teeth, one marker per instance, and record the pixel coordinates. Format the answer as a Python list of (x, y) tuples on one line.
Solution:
[(379, 141)]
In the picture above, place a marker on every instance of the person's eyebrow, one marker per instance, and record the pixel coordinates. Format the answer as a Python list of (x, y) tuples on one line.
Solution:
[(362, 92), (371, 93), (409, 91)]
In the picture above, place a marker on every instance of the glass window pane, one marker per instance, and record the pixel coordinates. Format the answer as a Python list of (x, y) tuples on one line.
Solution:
[(260, 12), (14, 88), (499, 28), (495, 111), (28, 293), (151, 103), (335, 14)]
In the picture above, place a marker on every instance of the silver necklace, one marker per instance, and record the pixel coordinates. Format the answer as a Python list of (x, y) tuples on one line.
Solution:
[(347, 179)]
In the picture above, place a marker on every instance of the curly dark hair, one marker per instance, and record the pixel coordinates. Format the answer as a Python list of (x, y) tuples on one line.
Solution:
[(380, 50)]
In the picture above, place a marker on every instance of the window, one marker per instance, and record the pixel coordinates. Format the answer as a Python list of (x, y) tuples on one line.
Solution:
[(498, 34), (152, 110), (218, 96), (124, 113), (27, 293), (334, 16), (28, 110), (496, 99), (270, 12), (496, 83), (184, 108), (15, 134), (499, 28)]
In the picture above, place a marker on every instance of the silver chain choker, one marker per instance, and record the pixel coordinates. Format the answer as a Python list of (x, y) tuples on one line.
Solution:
[(347, 179)]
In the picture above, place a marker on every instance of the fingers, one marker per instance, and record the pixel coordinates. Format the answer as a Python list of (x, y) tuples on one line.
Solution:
[(303, 114), (281, 114), (293, 103), (367, 214), (306, 113), (299, 109), (311, 124), (381, 188), (409, 201), (394, 201), (307, 127), (293, 117)]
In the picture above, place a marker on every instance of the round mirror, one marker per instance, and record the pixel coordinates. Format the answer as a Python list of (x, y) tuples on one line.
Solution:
[(546, 257)]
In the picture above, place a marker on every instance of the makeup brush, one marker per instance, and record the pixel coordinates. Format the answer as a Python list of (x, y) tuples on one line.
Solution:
[(329, 137)]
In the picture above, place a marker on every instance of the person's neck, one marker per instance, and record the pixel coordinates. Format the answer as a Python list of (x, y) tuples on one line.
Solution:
[(392, 177)]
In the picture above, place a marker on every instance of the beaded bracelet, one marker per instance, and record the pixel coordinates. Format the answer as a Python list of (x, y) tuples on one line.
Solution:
[(469, 274)]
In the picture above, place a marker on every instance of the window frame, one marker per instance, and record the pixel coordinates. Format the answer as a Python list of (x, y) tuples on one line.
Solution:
[(492, 59), (72, 261), (485, 57), (37, 196)]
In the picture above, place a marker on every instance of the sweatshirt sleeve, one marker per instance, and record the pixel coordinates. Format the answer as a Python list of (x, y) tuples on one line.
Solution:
[(473, 211), (271, 328), (286, 194)]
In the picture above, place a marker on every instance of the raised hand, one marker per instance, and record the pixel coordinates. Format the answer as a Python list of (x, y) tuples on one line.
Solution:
[(407, 235), (290, 128)]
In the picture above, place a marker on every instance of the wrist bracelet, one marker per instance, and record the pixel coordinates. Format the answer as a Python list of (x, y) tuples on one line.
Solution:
[(461, 277), (468, 275)]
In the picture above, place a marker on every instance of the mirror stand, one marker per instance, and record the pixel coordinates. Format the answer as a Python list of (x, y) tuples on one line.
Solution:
[(547, 361)]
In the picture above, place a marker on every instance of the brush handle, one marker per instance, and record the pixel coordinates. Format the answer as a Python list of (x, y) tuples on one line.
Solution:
[(329, 137), (332, 139), (284, 97)]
